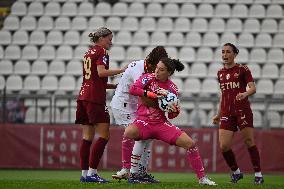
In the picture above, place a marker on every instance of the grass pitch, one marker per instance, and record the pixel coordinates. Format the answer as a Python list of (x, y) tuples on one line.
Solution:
[(66, 179)]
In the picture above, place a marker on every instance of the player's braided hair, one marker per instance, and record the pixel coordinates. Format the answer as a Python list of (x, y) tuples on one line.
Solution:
[(235, 49), (172, 65), (101, 32)]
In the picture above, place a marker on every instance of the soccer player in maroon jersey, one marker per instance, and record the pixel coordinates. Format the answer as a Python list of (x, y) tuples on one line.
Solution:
[(235, 112), (92, 111)]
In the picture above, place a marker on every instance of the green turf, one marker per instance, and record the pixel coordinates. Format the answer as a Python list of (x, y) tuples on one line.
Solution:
[(59, 179)]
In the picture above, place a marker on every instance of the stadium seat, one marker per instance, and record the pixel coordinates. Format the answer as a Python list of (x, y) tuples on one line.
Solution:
[(64, 52), (52, 9), (172, 52), (213, 68), (67, 83), (246, 40), (14, 83), (210, 39), (56, 67), (198, 70), (222, 10), (54, 37), (243, 56), (181, 119), (113, 23), (158, 38), (37, 37), (79, 52), (251, 25), (182, 24), (199, 25), (255, 70), (218, 55), (154, 10), (19, 9), (175, 39), (239, 11), (62, 23), (263, 40), (49, 83), (179, 84), (193, 39), (184, 73), (264, 87), (197, 118), (67, 115), (165, 24), (36, 9), (12, 52), (209, 87), (71, 38), (136, 9), (274, 119), (86, 9), (258, 55), (278, 40), (45, 23), (204, 54), (33, 115), (217, 25), (281, 26), (96, 22), (2, 82), (120, 9), (69, 9), (281, 72), (28, 23), (205, 11), (74, 67), (274, 11), (30, 52), (22, 67), (130, 24), (6, 67), (187, 54), (269, 26), (39, 67), (257, 119), (31, 83), (188, 10), (5, 37), (123, 38), (134, 53), (1, 52), (275, 55), (192, 86), (279, 87), (11, 23), (20, 37), (140, 38), (47, 114), (79, 23), (117, 53), (257, 11), (270, 71), (234, 25), (148, 24), (103, 9), (171, 10), (228, 37)]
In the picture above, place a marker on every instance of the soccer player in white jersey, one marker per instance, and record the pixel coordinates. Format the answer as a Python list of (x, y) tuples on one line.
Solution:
[(124, 107)]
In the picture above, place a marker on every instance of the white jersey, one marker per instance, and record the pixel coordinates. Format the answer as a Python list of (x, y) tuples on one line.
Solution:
[(122, 100)]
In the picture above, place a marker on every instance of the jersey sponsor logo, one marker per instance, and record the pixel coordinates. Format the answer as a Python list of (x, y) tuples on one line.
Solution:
[(229, 85)]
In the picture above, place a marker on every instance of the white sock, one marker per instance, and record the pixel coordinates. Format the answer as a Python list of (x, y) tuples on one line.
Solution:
[(257, 174), (238, 171), (143, 164), (136, 156), (91, 171), (84, 173)]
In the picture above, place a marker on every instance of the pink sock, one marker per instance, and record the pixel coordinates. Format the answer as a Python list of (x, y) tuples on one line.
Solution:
[(127, 146), (195, 161)]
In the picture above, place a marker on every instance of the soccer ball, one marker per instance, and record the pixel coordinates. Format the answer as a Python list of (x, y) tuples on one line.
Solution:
[(168, 101)]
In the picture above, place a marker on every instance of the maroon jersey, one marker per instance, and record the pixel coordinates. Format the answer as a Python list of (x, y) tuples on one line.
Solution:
[(93, 88), (232, 82)]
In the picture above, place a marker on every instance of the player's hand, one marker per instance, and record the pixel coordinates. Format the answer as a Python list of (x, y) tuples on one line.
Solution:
[(161, 92), (216, 119), (241, 96), (173, 108)]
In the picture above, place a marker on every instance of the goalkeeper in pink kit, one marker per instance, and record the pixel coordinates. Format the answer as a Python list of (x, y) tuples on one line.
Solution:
[(152, 123)]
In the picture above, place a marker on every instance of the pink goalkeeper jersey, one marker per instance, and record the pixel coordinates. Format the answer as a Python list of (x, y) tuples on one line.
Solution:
[(150, 83)]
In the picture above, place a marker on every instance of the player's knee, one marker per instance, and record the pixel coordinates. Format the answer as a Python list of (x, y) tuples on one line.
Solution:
[(131, 132), (249, 142)]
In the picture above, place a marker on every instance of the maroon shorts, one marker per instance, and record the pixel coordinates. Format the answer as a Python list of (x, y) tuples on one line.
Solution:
[(242, 119), (89, 113)]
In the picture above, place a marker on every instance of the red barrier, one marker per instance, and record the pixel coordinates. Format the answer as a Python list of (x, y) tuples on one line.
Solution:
[(57, 147)]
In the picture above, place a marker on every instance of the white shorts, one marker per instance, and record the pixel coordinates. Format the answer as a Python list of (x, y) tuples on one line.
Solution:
[(123, 118)]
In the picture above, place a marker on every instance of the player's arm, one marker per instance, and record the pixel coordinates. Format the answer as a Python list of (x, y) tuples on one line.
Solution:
[(216, 118), (103, 72), (149, 102), (251, 90)]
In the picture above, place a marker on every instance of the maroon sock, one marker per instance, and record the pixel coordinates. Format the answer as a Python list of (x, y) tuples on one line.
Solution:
[(97, 152), (84, 154), (230, 159), (254, 157)]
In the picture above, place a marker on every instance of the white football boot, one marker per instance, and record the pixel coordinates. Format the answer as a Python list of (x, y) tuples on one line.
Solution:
[(122, 174), (206, 181)]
